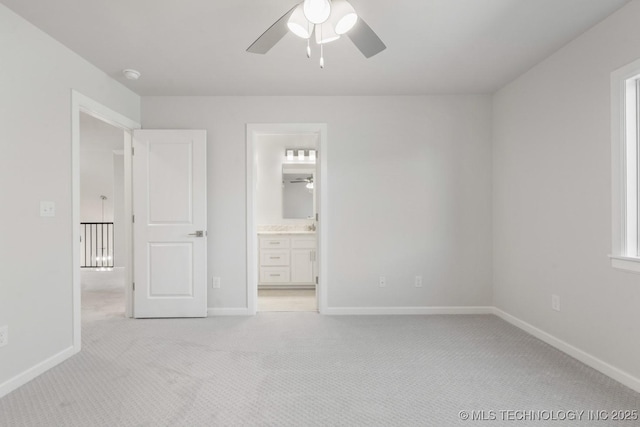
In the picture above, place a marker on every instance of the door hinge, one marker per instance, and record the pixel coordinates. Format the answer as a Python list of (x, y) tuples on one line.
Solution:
[(316, 280), (134, 286), (133, 218), (133, 151), (317, 218)]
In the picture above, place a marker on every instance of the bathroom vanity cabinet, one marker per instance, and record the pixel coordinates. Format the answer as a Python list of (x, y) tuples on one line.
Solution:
[(287, 260)]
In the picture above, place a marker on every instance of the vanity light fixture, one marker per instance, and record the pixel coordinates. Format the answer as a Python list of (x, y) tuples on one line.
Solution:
[(300, 155)]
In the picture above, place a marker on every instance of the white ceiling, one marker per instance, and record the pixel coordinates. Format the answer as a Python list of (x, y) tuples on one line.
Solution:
[(197, 47)]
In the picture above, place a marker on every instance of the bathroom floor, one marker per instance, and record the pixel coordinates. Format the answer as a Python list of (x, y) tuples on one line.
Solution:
[(287, 300)]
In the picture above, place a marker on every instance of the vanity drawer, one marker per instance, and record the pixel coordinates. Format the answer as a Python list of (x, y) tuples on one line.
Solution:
[(274, 275), (274, 243), (303, 242), (274, 257)]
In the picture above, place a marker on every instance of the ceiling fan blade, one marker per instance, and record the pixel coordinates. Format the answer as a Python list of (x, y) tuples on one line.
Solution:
[(365, 39), (274, 33)]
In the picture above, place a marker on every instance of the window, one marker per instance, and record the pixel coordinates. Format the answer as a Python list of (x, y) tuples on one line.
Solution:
[(625, 125)]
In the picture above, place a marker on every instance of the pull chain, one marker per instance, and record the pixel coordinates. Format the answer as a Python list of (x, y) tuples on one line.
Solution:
[(321, 49), (308, 49)]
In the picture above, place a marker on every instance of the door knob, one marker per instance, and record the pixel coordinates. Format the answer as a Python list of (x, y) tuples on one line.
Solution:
[(198, 233)]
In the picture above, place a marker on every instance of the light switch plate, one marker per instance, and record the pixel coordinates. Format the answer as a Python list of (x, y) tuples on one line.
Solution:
[(4, 335), (47, 208)]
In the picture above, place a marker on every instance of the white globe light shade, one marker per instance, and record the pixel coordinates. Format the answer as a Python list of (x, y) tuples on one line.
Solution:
[(316, 11), (343, 16), (298, 23)]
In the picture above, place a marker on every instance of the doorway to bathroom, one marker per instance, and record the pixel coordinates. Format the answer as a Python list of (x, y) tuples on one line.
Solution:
[(285, 227)]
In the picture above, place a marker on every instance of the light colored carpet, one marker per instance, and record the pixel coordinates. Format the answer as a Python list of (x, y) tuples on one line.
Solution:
[(287, 300), (304, 369)]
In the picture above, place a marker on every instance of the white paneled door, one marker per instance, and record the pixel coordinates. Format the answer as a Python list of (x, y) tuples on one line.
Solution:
[(170, 226)]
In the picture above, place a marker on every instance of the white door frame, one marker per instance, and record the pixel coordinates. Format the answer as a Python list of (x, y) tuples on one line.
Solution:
[(256, 129), (82, 103)]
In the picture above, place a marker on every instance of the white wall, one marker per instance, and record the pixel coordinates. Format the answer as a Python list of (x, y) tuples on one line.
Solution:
[(96, 179), (409, 184), (270, 151), (552, 197), (35, 165)]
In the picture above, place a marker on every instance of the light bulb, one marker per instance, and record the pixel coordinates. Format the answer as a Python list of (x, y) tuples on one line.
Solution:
[(316, 11)]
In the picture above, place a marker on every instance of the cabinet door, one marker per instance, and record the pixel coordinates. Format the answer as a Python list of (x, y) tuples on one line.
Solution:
[(302, 266)]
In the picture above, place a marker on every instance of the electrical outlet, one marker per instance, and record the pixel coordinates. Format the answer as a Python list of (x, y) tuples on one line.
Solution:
[(47, 208), (418, 282), (382, 282), (215, 283), (4, 335), (555, 302)]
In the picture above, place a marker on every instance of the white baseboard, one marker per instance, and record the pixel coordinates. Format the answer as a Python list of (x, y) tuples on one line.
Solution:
[(26, 376), (240, 311), (584, 357), (339, 311), (406, 310)]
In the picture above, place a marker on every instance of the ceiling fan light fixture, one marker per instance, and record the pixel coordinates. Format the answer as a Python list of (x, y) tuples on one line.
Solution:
[(325, 33), (316, 11), (343, 15), (298, 23)]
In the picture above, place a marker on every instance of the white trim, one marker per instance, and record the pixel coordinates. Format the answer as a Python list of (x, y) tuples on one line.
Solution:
[(320, 129), (26, 376), (82, 103), (367, 311), (625, 263), (584, 357), (240, 311), (618, 161)]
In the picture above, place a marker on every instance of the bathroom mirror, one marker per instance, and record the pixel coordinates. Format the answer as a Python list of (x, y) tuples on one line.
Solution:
[(297, 194)]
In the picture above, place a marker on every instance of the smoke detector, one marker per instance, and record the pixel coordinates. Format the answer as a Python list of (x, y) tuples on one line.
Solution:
[(131, 74)]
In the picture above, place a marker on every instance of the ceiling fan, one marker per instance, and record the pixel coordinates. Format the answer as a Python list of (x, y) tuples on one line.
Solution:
[(308, 180), (328, 20)]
